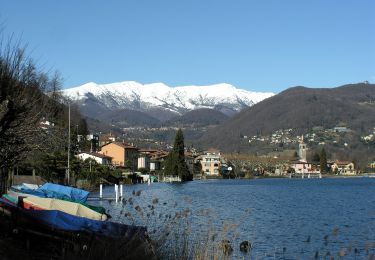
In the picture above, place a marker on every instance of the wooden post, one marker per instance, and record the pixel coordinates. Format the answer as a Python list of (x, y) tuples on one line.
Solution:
[(121, 191), (34, 177), (10, 178), (101, 190)]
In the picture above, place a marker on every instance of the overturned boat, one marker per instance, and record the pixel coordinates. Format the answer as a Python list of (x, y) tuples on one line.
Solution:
[(76, 236)]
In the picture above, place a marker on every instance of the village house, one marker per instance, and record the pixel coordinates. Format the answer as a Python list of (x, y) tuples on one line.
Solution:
[(121, 153), (156, 157), (98, 157), (144, 161), (344, 168), (301, 167), (211, 162)]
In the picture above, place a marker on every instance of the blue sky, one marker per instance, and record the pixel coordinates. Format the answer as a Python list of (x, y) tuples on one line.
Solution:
[(260, 45)]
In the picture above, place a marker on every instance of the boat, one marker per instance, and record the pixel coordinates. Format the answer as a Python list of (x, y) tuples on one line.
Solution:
[(51, 190), (79, 236), (54, 191), (59, 220), (16, 194), (72, 208)]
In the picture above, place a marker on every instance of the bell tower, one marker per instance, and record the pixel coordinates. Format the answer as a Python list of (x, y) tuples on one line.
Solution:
[(302, 151)]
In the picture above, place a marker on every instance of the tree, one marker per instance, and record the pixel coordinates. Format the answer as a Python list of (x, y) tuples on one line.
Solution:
[(175, 164), (29, 99), (316, 158), (323, 161), (23, 106), (197, 168)]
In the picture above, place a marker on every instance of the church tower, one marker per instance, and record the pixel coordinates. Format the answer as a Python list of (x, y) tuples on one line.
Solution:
[(302, 151)]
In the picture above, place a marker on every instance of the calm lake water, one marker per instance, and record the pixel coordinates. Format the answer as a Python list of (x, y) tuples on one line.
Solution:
[(283, 218)]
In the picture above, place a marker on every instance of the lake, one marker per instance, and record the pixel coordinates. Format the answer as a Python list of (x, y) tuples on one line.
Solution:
[(282, 218)]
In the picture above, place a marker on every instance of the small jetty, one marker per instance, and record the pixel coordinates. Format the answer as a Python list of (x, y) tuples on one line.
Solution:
[(305, 176), (171, 179)]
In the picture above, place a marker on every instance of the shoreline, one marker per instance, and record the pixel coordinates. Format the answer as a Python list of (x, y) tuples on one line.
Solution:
[(329, 176)]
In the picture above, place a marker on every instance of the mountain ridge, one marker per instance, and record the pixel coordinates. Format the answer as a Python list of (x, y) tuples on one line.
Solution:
[(180, 99), (301, 109)]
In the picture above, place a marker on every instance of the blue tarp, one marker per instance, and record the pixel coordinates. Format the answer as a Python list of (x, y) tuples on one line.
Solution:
[(56, 191), (72, 193)]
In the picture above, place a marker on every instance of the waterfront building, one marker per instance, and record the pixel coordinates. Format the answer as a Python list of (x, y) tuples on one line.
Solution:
[(120, 153), (305, 167), (155, 158), (211, 162), (344, 168)]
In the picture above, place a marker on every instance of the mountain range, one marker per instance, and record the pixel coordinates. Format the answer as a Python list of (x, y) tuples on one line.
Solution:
[(224, 117), (129, 103)]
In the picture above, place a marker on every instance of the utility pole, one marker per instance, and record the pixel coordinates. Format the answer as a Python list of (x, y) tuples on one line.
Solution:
[(68, 170)]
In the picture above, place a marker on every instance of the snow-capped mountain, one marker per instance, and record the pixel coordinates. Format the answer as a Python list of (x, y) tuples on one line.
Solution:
[(148, 97)]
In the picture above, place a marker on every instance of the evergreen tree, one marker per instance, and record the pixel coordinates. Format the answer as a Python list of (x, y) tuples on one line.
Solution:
[(175, 164), (316, 158), (323, 161)]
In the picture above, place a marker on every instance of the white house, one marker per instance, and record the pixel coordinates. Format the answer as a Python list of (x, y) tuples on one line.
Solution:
[(344, 167), (304, 167), (98, 157)]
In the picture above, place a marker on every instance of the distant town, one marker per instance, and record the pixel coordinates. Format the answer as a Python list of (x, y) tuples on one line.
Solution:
[(115, 151)]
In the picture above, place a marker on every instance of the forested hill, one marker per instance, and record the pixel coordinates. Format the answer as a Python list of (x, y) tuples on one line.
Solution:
[(199, 117), (300, 109)]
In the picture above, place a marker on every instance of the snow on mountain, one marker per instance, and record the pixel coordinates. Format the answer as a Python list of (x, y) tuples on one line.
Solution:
[(133, 95)]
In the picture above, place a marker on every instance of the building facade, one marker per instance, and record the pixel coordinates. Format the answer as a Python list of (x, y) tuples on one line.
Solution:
[(121, 153), (344, 168), (211, 162), (144, 161)]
